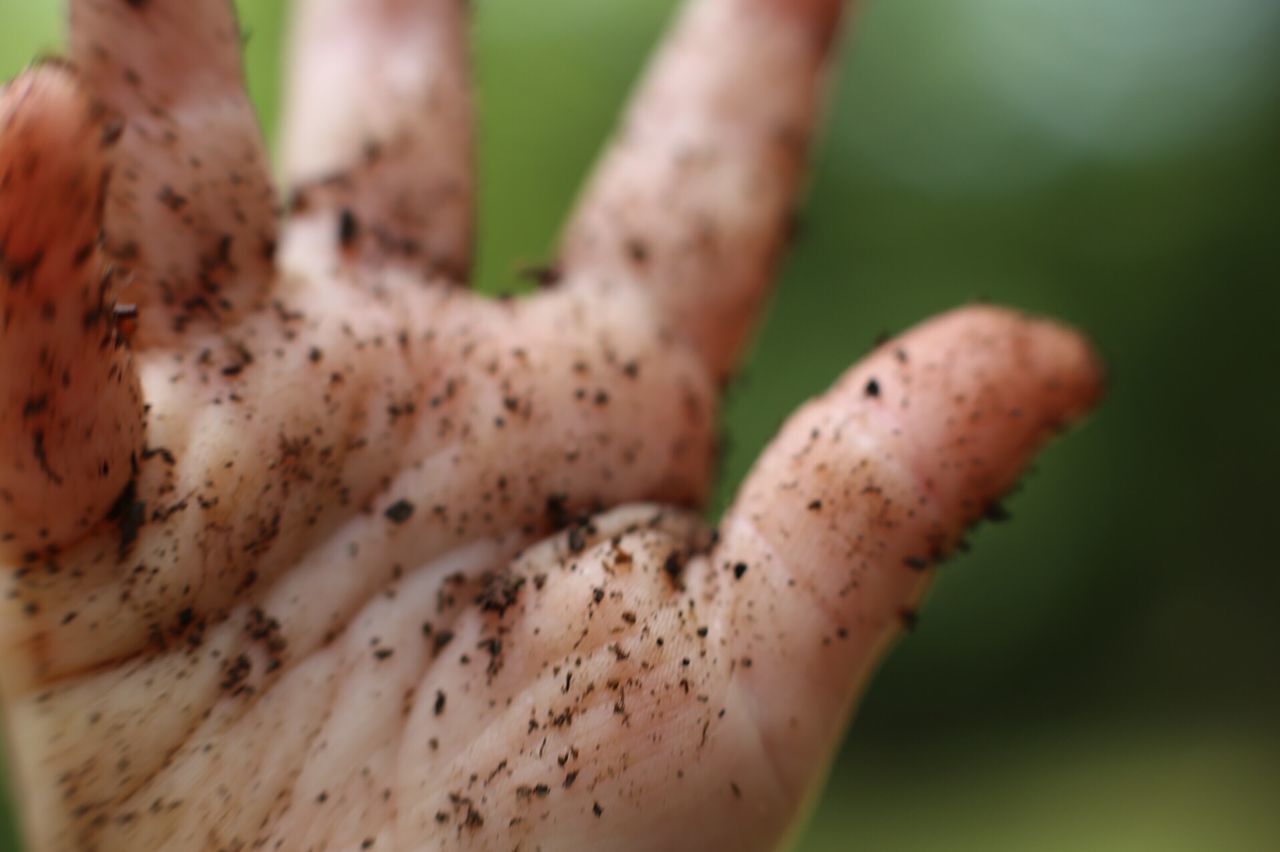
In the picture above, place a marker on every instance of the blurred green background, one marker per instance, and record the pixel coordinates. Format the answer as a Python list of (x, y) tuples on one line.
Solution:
[(1104, 672)]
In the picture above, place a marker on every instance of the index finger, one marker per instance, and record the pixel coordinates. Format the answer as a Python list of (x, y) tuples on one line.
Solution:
[(694, 198)]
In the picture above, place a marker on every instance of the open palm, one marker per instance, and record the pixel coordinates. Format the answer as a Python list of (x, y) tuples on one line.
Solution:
[(308, 547)]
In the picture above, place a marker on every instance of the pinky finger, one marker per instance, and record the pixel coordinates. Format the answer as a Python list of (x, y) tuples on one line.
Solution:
[(70, 411)]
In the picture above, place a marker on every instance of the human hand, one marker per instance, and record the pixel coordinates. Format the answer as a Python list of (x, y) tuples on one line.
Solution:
[(308, 547)]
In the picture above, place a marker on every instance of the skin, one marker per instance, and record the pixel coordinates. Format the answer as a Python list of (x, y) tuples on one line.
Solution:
[(305, 546)]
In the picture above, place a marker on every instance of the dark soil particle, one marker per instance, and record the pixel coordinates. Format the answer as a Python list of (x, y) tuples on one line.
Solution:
[(499, 592), (674, 565), (996, 513), (399, 511), (237, 673), (543, 276), (557, 511), (443, 638), (577, 539), (348, 228), (128, 514)]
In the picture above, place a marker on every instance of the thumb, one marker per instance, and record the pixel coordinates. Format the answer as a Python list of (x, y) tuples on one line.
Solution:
[(834, 535), (662, 693)]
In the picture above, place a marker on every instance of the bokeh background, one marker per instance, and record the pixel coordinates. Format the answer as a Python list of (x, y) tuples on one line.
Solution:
[(1102, 673)]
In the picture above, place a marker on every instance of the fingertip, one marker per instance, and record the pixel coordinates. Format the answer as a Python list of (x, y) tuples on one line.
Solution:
[(53, 166), (50, 79), (1054, 363), (1072, 372), (823, 16), (972, 394), (948, 365), (45, 100)]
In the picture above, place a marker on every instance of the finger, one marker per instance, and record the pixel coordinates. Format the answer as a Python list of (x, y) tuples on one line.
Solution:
[(70, 413), (378, 139), (836, 531), (190, 216), (693, 201)]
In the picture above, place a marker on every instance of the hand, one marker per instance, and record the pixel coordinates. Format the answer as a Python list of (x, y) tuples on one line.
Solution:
[(308, 547)]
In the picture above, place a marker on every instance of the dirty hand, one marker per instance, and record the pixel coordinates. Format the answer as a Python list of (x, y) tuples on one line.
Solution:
[(305, 546)]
